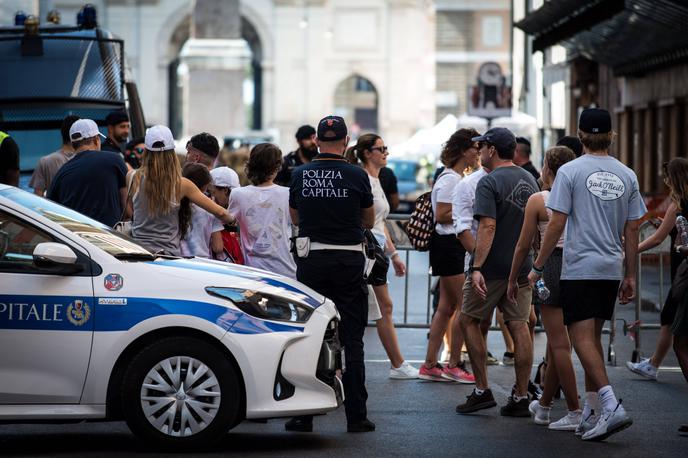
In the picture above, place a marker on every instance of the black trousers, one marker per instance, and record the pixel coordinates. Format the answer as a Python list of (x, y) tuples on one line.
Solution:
[(338, 275)]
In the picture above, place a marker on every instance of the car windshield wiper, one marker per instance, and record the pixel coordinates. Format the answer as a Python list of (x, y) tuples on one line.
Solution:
[(135, 256)]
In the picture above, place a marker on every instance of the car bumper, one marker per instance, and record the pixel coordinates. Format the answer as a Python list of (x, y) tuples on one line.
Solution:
[(291, 373)]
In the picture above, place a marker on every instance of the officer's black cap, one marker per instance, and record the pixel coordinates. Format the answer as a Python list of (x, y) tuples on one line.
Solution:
[(332, 128), (116, 117), (501, 137), (305, 132), (595, 121)]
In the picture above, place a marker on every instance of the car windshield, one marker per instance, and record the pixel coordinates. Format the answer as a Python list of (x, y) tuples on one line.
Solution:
[(404, 170), (88, 229)]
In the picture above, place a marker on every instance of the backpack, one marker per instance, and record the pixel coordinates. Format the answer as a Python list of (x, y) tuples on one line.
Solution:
[(421, 223)]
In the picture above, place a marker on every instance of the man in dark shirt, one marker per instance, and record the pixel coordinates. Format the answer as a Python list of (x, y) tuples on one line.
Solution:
[(93, 182), (306, 151), (522, 157), (9, 160), (388, 181), (500, 201), (118, 131), (331, 201)]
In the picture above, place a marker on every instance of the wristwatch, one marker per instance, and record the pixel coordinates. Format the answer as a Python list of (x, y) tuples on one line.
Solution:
[(472, 269)]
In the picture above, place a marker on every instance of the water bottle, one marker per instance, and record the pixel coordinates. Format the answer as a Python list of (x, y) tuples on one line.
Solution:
[(541, 289), (682, 228)]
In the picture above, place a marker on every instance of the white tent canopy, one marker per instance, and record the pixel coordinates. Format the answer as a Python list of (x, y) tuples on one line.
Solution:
[(427, 143)]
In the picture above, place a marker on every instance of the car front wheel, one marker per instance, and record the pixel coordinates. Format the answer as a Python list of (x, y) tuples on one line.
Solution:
[(181, 392)]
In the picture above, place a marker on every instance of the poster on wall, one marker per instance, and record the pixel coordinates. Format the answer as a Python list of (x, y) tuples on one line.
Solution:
[(490, 97)]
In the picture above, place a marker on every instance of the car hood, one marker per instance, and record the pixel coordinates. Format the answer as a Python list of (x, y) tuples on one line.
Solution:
[(223, 274)]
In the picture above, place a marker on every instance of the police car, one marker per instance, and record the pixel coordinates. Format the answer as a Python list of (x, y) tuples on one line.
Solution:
[(93, 326)]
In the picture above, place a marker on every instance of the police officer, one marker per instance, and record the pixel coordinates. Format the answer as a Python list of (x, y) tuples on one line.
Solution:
[(304, 154), (9, 160), (331, 202)]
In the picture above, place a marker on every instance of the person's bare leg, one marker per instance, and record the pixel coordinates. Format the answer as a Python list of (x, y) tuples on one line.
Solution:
[(457, 339), (385, 326), (508, 340), (523, 355), (449, 293), (664, 342), (588, 346), (477, 349), (559, 366), (532, 321)]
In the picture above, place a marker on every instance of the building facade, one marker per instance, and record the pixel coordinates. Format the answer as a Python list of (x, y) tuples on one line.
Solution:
[(630, 57), (372, 61)]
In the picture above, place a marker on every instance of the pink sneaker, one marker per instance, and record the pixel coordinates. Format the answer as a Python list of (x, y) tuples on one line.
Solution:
[(434, 374), (458, 374)]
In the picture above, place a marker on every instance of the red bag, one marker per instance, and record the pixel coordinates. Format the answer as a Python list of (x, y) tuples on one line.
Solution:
[(232, 247)]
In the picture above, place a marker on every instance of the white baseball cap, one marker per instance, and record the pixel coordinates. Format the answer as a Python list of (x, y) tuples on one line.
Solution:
[(158, 134), (225, 177), (84, 128)]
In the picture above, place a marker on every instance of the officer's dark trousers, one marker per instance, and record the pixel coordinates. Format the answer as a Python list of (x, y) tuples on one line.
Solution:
[(338, 275)]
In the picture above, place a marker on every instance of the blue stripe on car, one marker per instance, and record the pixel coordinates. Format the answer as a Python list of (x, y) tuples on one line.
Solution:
[(50, 313)]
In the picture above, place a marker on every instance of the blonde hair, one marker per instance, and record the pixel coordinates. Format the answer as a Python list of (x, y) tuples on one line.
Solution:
[(163, 180)]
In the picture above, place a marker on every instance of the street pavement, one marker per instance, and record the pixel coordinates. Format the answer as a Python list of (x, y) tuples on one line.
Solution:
[(417, 418)]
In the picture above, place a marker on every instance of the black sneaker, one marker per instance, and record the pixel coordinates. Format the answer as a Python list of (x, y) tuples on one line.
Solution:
[(515, 408), (476, 402), (534, 390), (302, 424), (364, 426)]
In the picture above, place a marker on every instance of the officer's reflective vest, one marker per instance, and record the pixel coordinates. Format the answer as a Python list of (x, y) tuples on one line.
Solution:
[(3, 136)]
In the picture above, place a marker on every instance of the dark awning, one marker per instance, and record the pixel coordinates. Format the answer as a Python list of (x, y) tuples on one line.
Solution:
[(631, 36)]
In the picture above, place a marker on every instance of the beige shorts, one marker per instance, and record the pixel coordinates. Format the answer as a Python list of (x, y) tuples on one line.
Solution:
[(475, 307)]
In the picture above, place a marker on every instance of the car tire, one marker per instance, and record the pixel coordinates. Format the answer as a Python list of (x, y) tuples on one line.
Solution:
[(160, 409)]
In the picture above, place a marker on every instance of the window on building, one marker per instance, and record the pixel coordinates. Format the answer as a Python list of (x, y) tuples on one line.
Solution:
[(492, 33)]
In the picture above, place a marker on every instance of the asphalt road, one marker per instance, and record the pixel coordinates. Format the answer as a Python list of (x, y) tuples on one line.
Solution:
[(414, 418)]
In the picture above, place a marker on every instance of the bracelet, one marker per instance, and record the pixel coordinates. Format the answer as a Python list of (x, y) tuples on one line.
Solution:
[(536, 270), (394, 253)]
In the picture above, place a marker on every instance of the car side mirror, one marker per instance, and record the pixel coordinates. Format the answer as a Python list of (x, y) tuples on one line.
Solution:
[(55, 258)]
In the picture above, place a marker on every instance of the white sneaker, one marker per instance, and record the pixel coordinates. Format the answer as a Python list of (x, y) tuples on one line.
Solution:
[(610, 422), (403, 372), (568, 423), (586, 424), (540, 413), (643, 368)]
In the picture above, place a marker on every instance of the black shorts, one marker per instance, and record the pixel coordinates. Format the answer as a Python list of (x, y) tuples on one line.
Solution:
[(551, 276), (586, 299), (666, 318), (446, 255)]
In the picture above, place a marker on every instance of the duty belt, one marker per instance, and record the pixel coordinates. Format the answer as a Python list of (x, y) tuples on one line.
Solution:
[(328, 246)]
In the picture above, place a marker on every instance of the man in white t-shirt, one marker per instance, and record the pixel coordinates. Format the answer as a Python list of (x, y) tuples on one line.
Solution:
[(597, 198)]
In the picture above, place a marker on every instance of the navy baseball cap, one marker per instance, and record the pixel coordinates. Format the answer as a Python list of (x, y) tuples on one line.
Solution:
[(501, 137), (595, 121), (332, 128)]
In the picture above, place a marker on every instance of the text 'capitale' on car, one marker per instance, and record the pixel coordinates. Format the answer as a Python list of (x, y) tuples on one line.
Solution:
[(95, 327)]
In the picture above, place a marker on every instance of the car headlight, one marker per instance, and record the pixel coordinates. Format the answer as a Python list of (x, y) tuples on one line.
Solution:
[(262, 305)]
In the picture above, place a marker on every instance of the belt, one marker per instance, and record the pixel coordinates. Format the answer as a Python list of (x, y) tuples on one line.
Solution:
[(327, 246)]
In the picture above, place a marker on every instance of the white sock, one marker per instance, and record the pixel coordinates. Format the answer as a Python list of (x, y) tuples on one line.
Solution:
[(518, 398), (478, 392), (607, 399), (591, 403)]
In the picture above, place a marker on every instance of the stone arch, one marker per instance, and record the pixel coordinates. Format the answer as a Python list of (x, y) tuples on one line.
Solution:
[(357, 99)]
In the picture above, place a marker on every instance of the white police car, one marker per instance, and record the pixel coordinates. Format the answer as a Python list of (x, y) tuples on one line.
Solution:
[(92, 326)]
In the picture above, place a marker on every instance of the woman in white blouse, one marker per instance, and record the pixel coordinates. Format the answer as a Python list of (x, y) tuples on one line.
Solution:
[(371, 152)]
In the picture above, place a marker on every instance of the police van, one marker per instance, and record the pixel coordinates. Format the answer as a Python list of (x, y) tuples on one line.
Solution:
[(53, 70), (94, 326)]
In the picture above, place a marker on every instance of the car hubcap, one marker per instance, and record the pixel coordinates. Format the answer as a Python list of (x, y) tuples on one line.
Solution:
[(180, 396)]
